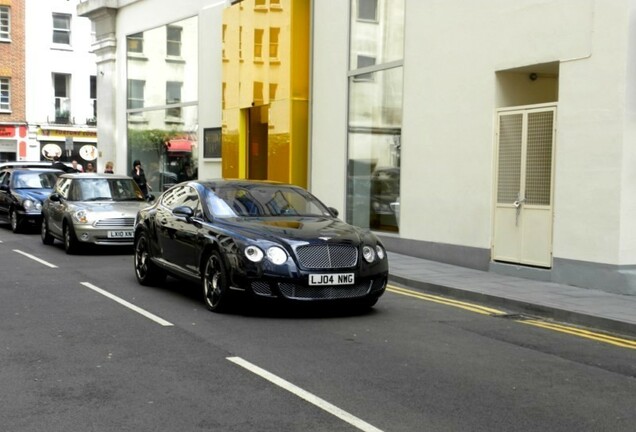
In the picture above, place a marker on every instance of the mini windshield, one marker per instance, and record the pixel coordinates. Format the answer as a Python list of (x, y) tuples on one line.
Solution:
[(101, 189), (264, 201), (34, 180)]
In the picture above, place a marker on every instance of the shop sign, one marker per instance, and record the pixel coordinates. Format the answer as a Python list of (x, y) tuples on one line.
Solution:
[(7, 131)]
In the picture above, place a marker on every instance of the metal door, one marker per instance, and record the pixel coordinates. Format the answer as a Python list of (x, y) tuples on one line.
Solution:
[(523, 213)]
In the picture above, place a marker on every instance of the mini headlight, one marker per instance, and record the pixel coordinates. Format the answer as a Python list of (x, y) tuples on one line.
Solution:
[(81, 216), (276, 255), (38, 205), (254, 254), (368, 253), (27, 204), (380, 251)]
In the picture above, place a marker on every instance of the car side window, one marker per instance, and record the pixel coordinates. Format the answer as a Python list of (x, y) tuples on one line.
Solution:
[(3, 175), (62, 187), (183, 196)]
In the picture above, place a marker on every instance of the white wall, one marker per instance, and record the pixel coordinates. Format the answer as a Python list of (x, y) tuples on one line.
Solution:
[(453, 51), (328, 141)]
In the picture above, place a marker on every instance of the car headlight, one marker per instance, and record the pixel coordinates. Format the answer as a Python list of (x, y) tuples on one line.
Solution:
[(368, 253), (81, 216), (380, 251), (28, 204), (276, 255), (254, 254)]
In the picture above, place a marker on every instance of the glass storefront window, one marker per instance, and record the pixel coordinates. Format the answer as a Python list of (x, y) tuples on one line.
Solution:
[(162, 69), (375, 120), (375, 114)]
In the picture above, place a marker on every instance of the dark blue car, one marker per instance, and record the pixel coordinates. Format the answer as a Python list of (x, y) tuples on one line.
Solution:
[(258, 239), (22, 191)]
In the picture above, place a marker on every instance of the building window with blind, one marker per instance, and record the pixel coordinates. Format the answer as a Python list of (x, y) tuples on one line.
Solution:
[(173, 43), (61, 29), (136, 89), (135, 43), (274, 34), (173, 96), (258, 44), (5, 94), (5, 23)]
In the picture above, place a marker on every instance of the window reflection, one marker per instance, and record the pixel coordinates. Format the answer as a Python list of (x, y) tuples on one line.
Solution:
[(375, 114), (162, 102)]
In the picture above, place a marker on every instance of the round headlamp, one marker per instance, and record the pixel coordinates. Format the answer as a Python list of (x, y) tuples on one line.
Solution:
[(254, 254), (379, 250), (276, 255), (368, 253)]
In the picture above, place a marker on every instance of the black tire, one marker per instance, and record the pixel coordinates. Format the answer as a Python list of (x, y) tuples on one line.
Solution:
[(215, 283), (46, 236), (16, 223), (146, 271), (71, 245)]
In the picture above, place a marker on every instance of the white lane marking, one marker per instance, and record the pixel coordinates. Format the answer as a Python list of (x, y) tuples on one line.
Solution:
[(34, 258), (303, 394), (131, 306)]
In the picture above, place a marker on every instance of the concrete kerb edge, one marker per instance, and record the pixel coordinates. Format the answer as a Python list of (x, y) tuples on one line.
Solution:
[(560, 315)]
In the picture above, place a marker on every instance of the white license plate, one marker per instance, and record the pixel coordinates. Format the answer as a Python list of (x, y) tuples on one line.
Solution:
[(332, 279), (120, 234)]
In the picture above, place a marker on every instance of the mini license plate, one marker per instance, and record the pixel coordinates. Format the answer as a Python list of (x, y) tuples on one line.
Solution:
[(332, 279), (120, 234)]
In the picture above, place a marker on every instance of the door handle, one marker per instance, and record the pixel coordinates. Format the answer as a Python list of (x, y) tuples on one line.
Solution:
[(518, 203)]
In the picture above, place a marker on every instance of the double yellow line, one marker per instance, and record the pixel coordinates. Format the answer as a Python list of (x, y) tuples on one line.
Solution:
[(599, 337)]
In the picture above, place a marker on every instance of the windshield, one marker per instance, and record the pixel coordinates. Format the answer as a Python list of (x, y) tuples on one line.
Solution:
[(34, 180), (101, 189), (264, 200)]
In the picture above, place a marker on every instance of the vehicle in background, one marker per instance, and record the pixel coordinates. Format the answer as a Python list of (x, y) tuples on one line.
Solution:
[(22, 192), (30, 164), (91, 209), (261, 239)]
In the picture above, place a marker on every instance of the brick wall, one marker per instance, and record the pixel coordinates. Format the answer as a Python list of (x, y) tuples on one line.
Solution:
[(12, 62)]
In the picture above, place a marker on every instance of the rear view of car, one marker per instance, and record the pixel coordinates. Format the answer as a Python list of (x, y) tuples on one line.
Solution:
[(92, 209)]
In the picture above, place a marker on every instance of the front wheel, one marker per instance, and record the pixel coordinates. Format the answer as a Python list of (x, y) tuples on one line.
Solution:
[(70, 241), (215, 283), (16, 223), (146, 272), (46, 236)]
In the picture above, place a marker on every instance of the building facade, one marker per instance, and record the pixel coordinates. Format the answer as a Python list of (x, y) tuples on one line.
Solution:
[(61, 92), (485, 134), (13, 124)]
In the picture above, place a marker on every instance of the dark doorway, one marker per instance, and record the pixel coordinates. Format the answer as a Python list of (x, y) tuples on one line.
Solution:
[(257, 147)]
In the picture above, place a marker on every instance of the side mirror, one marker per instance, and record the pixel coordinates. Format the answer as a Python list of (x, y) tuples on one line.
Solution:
[(334, 211), (55, 197), (183, 211), (4, 187)]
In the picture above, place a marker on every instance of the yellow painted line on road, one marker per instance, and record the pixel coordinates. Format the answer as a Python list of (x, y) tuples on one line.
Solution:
[(575, 331), (600, 337), (443, 300)]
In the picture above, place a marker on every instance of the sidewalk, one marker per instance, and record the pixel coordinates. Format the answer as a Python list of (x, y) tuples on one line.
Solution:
[(590, 308)]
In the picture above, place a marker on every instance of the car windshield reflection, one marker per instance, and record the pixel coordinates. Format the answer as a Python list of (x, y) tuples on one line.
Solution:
[(264, 201), (34, 180), (106, 190)]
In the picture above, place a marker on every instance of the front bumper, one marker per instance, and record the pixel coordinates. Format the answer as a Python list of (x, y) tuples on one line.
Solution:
[(105, 236)]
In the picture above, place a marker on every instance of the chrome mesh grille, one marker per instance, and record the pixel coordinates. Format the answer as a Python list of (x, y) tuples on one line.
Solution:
[(261, 288), (116, 222), (327, 256), (302, 292)]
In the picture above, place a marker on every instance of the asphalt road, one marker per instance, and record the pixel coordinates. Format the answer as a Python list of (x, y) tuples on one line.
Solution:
[(83, 347)]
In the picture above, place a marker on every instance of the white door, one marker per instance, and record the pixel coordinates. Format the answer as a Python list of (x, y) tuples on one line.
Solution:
[(522, 231)]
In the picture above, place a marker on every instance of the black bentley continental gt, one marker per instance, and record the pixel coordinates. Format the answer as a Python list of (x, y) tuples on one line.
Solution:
[(259, 239)]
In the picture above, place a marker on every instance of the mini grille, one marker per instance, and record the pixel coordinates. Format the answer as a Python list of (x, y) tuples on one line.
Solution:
[(327, 256), (294, 291), (116, 222)]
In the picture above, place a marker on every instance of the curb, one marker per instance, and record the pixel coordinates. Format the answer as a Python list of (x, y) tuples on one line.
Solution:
[(549, 312)]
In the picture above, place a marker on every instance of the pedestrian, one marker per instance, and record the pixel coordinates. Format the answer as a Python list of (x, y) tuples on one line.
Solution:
[(109, 168), (89, 167), (139, 176), (77, 167), (58, 164)]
